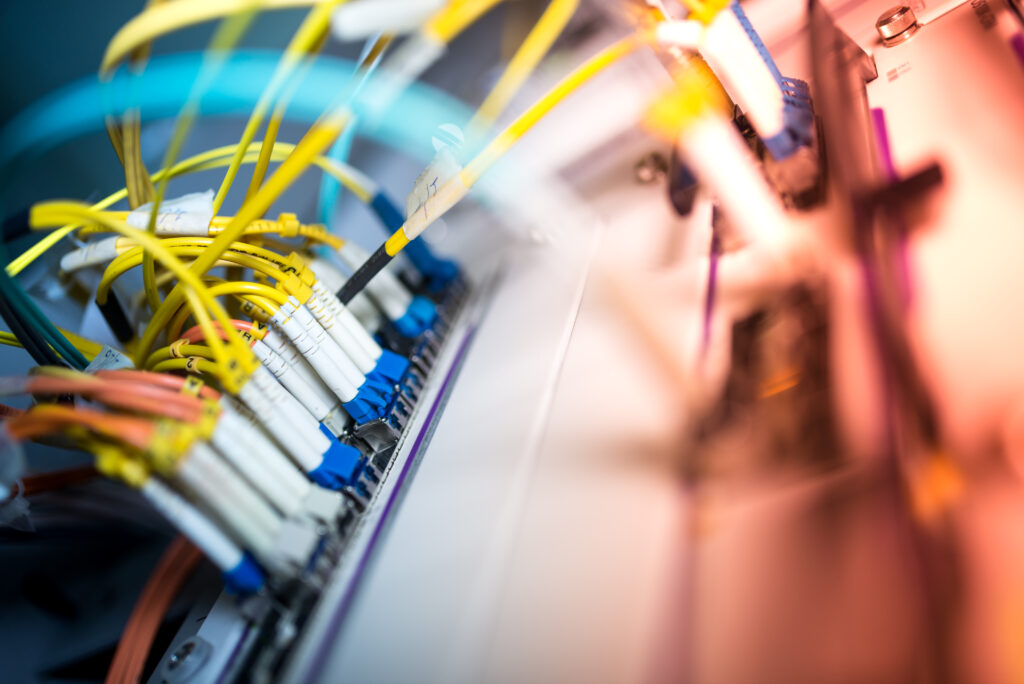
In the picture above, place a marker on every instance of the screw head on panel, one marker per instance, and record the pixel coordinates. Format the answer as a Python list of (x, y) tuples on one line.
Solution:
[(896, 25)]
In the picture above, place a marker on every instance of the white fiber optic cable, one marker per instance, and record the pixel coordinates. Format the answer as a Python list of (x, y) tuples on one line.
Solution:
[(234, 432), (224, 493), (341, 335), (296, 333), (280, 345), (279, 427), (292, 381), (329, 347), (210, 539)]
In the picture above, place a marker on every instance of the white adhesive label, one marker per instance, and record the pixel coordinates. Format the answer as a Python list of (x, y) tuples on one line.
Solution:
[(441, 169), (188, 215), (109, 359), (93, 254)]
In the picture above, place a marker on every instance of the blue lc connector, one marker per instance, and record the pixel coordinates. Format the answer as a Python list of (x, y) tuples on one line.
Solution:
[(419, 317), (245, 578), (391, 367), (339, 465)]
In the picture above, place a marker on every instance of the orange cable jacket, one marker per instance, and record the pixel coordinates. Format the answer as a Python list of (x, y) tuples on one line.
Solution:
[(175, 566)]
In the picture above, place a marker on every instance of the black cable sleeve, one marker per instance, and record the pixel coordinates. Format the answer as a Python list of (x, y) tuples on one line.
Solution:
[(364, 274), (115, 317)]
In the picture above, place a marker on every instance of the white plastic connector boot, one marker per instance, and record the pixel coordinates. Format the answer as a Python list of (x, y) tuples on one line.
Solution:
[(250, 439), (304, 426), (329, 347), (257, 470), (287, 351), (224, 492), (191, 522), (329, 280), (344, 317), (292, 381), (279, 427), (296, 333), (341, 336)]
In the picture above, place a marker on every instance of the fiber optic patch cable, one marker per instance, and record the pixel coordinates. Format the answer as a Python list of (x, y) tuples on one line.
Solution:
[(218, 448), (415, 316), (125, 258), (246, 459), (411, 61), (452, 191), (787, 101), (228, 33), (352, 343), (356, 182), (235, 356), (248, 517), (235, 488), (317, 139), (320, 455), (285, 173)]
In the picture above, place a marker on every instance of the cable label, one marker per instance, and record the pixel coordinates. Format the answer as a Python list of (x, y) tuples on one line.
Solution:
[(188, 215)]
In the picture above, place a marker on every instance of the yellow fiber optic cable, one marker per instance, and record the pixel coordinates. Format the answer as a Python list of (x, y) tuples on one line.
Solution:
[(88, 348), (228, 33), (177, 352), (267, 298), (162, 19), (259, 172), (126, 135), (192, 365), (308, 35), (241, 363), (268, 301), (211, 159), (316, 140), (314, 232), (530, 53), (9, 339), (449, 194), (453, 19), (518, 128), (133, 258)]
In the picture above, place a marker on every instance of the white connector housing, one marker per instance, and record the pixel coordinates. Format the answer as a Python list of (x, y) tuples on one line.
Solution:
[(323, 505)]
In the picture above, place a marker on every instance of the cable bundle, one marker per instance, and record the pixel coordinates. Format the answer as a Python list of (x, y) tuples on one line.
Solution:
[(267, 363)]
